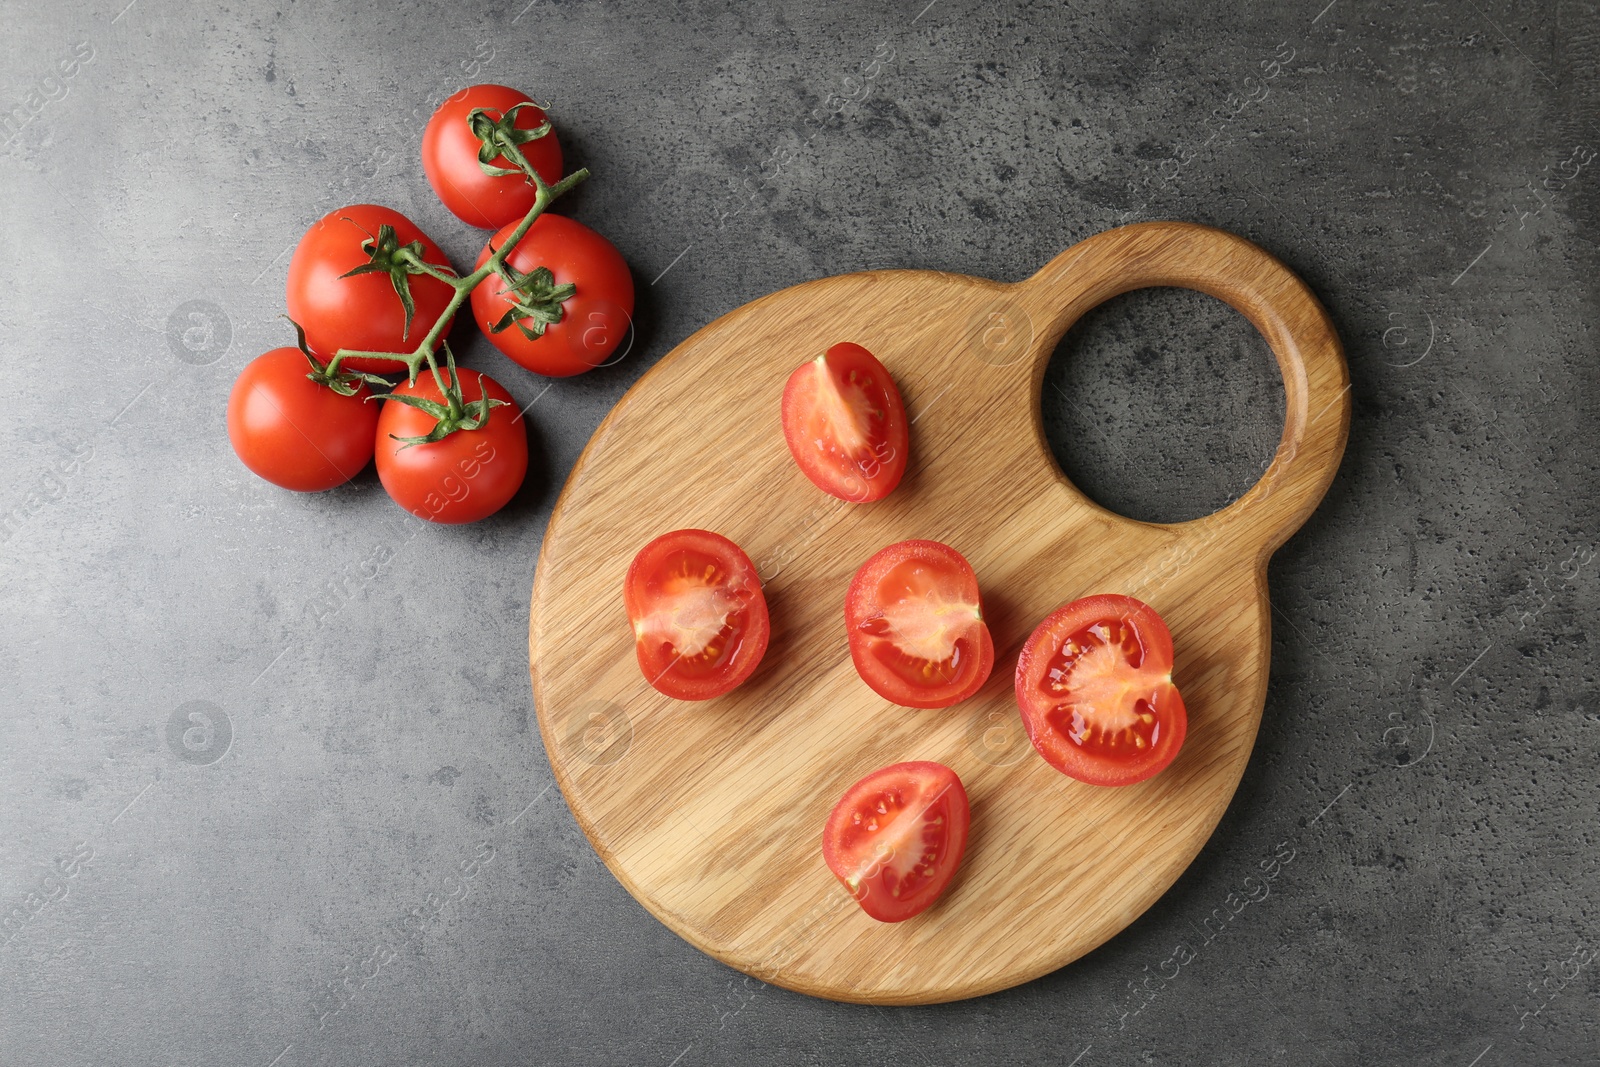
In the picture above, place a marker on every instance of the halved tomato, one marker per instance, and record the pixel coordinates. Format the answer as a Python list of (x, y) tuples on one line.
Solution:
[(1094, 682), (916, 625), (846, 425), (895, 839), (699, 619)]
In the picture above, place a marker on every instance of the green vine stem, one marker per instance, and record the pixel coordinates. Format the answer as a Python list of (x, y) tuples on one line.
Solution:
[(545, 195), (454, 413), (343, 382)]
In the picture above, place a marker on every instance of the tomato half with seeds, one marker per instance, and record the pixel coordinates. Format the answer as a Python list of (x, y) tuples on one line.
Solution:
[(846, 424), (1094, 683), (362, 312), (916, 627), (699, 618), (450, 156), (896, 838)]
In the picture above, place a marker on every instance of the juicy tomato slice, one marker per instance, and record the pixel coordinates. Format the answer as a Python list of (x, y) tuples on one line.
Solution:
[(916, 625), (895, 839), (846, 425), (1094, 683), (699, 618)]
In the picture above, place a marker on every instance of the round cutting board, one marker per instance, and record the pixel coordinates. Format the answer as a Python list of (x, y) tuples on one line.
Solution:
[(711, 813)]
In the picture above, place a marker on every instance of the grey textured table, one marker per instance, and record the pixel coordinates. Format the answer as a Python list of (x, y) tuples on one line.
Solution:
[(354, 853)]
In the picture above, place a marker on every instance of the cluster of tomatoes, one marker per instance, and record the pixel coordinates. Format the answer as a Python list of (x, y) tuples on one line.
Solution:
[(1093, 681), (372, 296)]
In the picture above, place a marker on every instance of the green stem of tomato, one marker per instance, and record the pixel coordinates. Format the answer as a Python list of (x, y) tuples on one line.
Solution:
[(450, 395), (544, 196)]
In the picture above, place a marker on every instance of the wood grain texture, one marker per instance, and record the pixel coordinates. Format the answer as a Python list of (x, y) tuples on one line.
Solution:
[(711, 814)]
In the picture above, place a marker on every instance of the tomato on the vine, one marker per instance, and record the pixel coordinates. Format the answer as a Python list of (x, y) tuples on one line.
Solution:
[(298, 433), (916, 628), (450, 155), (572, 303), (699, 617), (1094, 683), (896, 837), (846, 424), (469, 474), (363, 311)]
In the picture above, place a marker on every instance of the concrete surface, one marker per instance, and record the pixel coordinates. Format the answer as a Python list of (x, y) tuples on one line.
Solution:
[(269, 792)]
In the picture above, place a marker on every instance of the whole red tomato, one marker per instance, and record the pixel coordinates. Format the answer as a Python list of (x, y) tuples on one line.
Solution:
[(363, 311), (450, 157), (467, 476), (594, 315), (295, 432)]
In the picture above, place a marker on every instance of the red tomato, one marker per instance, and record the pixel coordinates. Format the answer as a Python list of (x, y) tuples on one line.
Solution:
[(594, 318), (450, 158), (916, 627), (1094, 682), (896, 838), (846, 425), (699, 618), (295, 432), (363, 312), (467, 476)]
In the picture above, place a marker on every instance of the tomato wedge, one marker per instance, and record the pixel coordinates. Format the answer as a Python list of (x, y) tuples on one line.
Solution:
[(699, 619), (1094, 682), (895, 839), (846, 425), (916, 625)]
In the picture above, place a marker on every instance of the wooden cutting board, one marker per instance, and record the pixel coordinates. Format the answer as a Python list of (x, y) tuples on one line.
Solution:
[(711, 813)]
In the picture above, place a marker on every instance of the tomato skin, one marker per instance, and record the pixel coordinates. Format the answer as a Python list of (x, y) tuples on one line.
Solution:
[(821, 404), (872, 859), (450, 158), (469, 475), (1128, 667), (595, 319), (902, 591), (666, 584), (362, 312), (294, 432)]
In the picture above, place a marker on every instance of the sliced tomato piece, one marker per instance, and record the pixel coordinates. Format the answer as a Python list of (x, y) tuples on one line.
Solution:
[(699, 618), (896, 838), (846, 425), (1094, 683), (916, 625)]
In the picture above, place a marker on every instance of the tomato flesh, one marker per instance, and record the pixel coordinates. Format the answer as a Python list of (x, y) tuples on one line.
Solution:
[(915, 622), (846, 425), (699, 618), (895, 839), (1094, 683)]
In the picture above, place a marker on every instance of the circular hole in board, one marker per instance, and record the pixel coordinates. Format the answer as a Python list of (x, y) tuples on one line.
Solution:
[(1163, 405)]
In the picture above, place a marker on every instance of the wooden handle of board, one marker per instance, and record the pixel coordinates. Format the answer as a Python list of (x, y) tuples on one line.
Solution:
[(1316, 380)]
